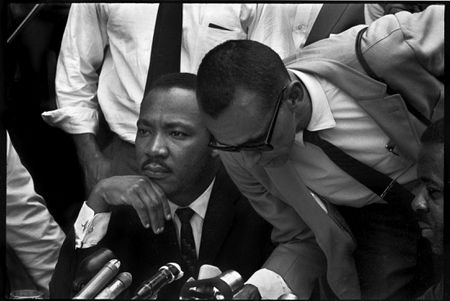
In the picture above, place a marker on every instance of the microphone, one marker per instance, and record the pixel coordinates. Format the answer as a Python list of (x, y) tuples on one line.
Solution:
[(99, 280), (208, 271), (122, 282), (89, 266), (165, 275), (221, 287), (288, 296)]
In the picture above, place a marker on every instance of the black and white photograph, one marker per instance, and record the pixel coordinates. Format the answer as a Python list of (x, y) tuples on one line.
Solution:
[(219, 151)]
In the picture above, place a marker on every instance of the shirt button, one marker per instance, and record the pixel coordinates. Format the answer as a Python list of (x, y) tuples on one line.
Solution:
[(301, 27)]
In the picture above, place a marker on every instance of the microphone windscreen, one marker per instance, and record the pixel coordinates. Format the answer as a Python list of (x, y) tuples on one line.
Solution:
[(125, 278), (208, 271), (288, 296), (89, 266)]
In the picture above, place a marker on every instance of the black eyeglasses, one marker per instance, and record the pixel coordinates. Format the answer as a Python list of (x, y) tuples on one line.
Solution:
[(261, 147)]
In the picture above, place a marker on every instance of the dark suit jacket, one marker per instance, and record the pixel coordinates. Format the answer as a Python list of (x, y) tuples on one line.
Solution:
[(234, 237)]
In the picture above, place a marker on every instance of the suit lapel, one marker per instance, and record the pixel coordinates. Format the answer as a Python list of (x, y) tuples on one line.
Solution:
[(218, 219), (327, 18), (389, 112), (332, 238)]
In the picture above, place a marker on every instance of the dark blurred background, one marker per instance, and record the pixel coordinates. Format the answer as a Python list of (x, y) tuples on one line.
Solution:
[(47, 152)]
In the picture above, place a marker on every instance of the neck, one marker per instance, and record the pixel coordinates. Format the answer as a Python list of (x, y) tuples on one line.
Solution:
[(185, 197)]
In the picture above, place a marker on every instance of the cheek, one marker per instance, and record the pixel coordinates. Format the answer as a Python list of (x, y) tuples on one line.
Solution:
[(139, 151), (284, 132), (189, 158), (437, 211)]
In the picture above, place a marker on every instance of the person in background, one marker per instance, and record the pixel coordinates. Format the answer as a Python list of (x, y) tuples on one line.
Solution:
[(142, 217), (429, 204), (103, 69), (373, 11), (33, 237), (326, 154), (30, 89)]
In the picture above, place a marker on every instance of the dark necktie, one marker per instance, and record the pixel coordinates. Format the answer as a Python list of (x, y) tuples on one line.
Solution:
[(188, 252), (385, 187), (166, 46)]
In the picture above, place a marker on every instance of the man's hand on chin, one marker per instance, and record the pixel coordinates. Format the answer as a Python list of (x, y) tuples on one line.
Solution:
[(143, 195), (248, 292)]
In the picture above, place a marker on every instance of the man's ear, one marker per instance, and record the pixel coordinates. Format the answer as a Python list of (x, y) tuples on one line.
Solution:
[(294, 94)]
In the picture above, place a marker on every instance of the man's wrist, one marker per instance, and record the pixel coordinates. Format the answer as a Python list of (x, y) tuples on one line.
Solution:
[(96, 200)]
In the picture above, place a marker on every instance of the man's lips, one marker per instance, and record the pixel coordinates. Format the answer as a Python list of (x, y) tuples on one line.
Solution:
[(155, 170), (424, 225)]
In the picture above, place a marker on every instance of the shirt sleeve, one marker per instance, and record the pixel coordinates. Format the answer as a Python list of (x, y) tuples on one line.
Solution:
[(372, 12), (89, 227), (270, 284), (31, 230), (271, 25), (80, 59)]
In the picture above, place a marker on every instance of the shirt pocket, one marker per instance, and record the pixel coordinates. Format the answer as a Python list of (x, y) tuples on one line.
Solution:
[(210, 37)]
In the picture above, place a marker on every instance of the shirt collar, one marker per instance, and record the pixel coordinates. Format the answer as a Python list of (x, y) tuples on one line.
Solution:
[(199, 205), (321, 116)]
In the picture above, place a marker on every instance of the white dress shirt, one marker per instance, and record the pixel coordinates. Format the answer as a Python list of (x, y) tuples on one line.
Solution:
[(105, 53), (31, 230), (342, 121)]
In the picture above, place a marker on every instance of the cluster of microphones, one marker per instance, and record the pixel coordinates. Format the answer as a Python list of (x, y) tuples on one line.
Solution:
[(212, 284)]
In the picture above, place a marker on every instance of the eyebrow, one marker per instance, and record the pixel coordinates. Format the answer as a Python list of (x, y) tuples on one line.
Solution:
[(427, 180), (248, 142), (171, 124)]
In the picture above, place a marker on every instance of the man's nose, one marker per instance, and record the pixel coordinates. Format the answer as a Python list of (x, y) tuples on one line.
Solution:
[(157, 146), (419, 204), (251, 158)]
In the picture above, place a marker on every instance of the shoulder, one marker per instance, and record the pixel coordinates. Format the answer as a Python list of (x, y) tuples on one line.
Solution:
[(226, 187), (404, 26)]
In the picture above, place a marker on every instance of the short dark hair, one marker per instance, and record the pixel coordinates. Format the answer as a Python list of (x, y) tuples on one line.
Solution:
[(239, 63), (182, 80), (434, 133)]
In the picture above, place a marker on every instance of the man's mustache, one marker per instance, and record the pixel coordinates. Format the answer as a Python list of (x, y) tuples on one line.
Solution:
[(155, 161)]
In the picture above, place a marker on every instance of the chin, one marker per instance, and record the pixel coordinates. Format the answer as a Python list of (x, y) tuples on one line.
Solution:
[(166, 185)]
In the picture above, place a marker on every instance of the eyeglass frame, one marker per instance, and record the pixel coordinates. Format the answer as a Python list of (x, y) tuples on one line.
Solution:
[(261, 147)]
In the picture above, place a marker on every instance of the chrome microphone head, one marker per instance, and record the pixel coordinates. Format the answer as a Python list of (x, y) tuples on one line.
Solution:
[(288, 296), (174, 269), (233, 279)]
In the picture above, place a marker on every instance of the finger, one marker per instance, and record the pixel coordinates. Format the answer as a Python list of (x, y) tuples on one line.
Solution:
[(152, 200), (140, 207), (163, 199)]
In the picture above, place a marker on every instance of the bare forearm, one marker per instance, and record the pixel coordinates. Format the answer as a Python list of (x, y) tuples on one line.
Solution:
[(95, 165), (87, 147)]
